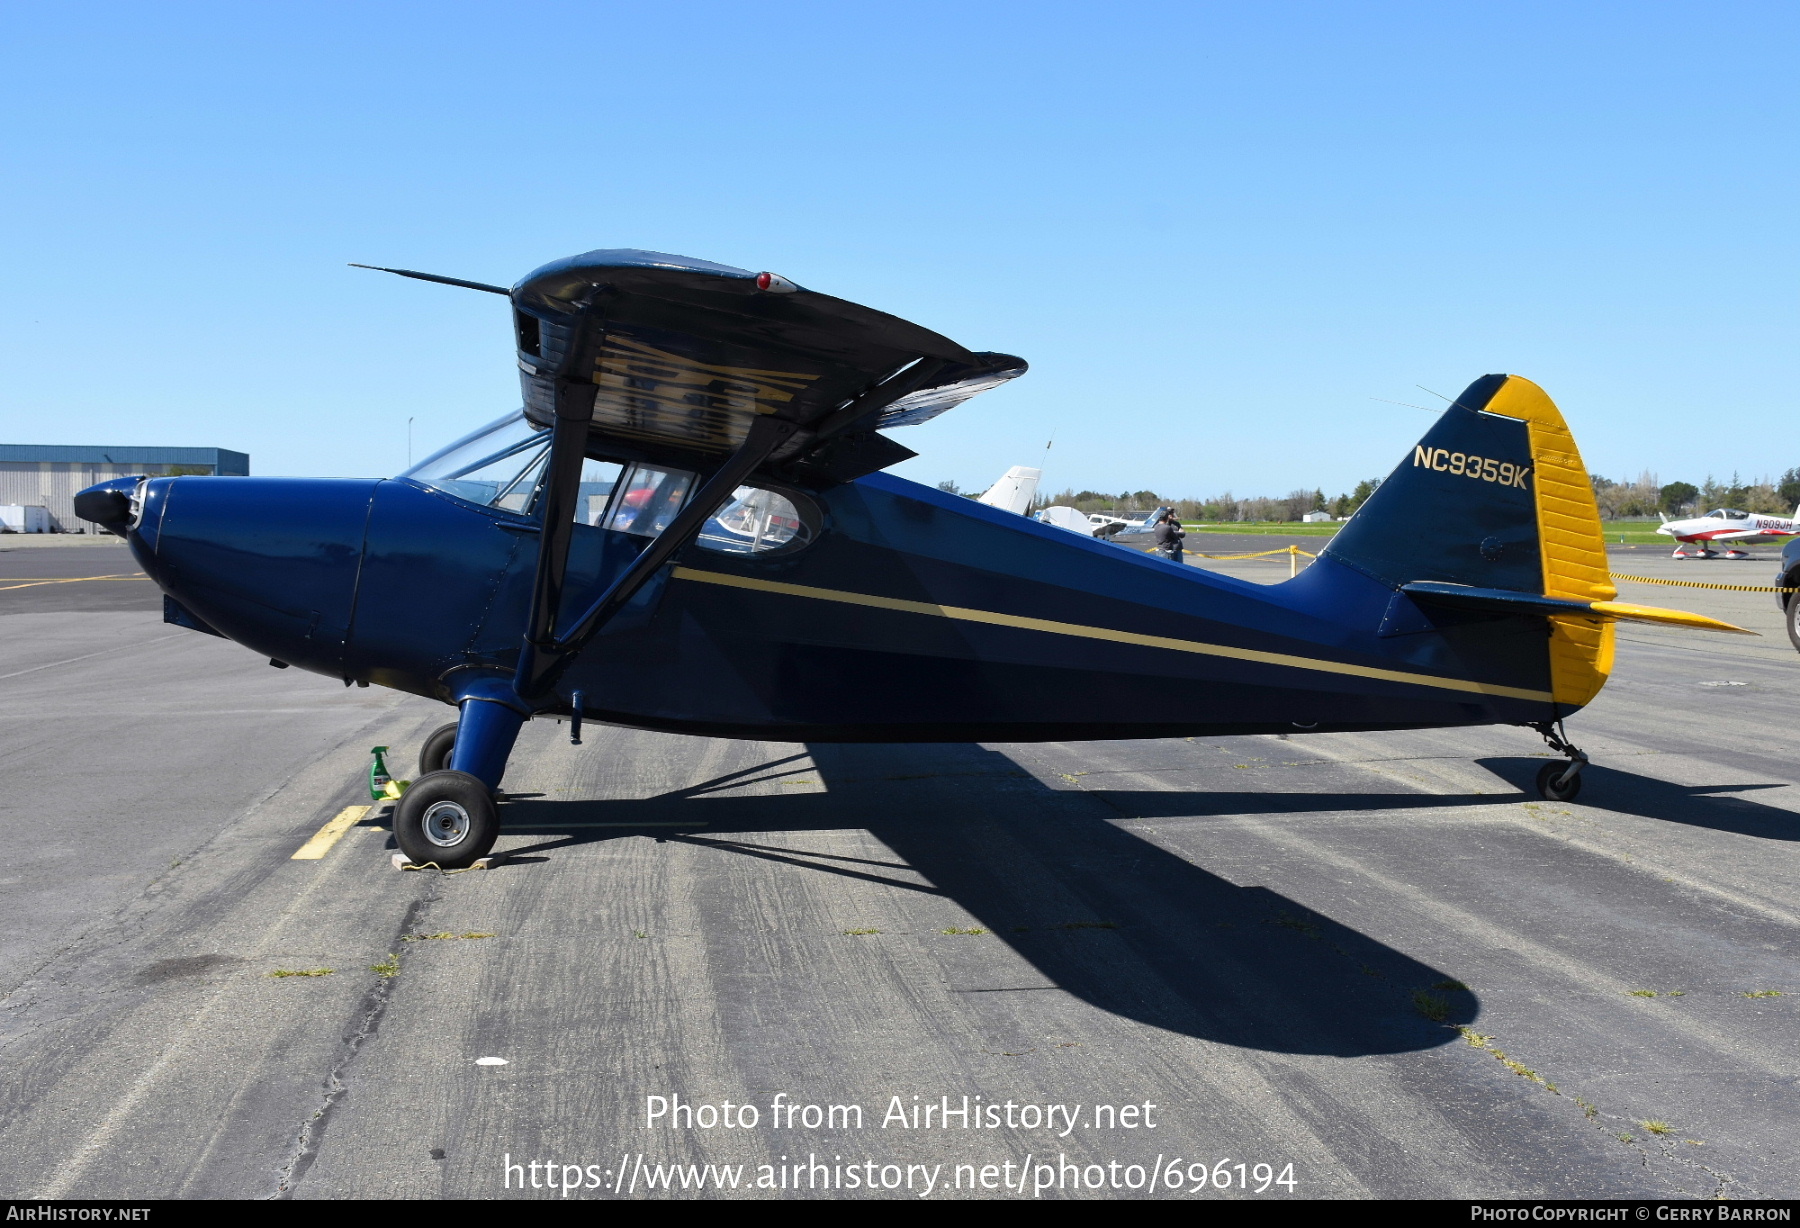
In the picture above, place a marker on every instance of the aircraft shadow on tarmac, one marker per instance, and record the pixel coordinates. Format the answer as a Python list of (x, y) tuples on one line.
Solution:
[(1695, 805), (1099, 912)]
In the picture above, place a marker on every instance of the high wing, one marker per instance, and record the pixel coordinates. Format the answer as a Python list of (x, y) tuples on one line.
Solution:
[(672, 359)]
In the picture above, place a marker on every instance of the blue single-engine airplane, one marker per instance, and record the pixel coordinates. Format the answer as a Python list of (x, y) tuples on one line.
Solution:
[(686, 528)]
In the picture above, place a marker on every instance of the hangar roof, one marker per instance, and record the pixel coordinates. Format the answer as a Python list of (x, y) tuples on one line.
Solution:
[(223, 460)]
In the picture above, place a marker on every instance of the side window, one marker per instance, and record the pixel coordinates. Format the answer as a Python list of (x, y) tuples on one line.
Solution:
[(648, 498), (598, 478), (757, 521)]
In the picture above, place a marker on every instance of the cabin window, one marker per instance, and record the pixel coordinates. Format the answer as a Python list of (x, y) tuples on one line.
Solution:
[(530, 335), (598, 480), (758, 521), (648, 498)]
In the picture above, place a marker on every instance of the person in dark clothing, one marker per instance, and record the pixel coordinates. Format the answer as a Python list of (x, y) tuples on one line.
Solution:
[(1168, 534)]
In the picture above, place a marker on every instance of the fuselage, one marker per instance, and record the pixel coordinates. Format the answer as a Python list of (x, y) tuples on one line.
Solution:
[(912, 615), (1729, 524)]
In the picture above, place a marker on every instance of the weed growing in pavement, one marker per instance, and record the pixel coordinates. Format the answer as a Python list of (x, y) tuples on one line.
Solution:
[(1762, 993), (303, 972), (860, 933), (1453, 986), (1655, 1126), (388, 967), (1434, 1007), (954, 930), (444, 934)]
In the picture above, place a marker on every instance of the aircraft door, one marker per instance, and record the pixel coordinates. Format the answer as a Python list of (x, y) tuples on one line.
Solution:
[(619, 508)]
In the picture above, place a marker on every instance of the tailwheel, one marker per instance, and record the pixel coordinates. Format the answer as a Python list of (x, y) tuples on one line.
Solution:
[(434, 756), (448, 818), (1552, 787), (1560, 782)]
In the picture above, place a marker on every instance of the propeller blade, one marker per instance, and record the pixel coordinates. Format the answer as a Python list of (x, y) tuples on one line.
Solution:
[(447, 281)]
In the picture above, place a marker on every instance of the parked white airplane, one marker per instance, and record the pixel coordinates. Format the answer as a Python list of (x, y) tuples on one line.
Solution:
[(1015, 491), (1066, 518), (1727, 524), (1093, 524)]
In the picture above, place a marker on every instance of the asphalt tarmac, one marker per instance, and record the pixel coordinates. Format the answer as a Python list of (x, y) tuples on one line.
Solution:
[(1376, 964)]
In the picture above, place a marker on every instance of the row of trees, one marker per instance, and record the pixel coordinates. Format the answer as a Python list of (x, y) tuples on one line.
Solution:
[(1219, 508), (1646, 497), (1642, 499)]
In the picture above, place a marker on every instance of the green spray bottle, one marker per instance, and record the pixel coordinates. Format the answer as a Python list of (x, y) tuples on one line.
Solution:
[(382, 786)]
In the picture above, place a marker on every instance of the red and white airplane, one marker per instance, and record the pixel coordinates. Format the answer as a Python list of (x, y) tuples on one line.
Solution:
[(1727, 524)]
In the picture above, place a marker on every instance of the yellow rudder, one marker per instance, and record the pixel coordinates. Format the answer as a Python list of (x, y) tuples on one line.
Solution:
[(1572, 547)]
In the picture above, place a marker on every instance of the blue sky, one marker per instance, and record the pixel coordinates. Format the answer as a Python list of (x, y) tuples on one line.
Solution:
[(1218, 231)]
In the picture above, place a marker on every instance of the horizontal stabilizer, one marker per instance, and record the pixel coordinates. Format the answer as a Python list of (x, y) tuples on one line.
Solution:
[(1506, 601)]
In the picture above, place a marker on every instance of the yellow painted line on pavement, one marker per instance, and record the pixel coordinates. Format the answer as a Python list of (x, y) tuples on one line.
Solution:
[(330, 834), (33, 582)]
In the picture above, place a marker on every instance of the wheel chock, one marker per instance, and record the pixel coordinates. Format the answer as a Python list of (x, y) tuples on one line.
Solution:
[(400, 862)]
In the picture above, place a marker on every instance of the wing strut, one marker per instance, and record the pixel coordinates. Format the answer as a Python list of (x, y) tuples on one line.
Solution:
[(546, 654)]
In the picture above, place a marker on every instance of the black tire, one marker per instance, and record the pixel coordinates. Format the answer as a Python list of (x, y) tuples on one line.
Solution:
[(434, 756), (1793, 615), (448, 818), (1547, 787)]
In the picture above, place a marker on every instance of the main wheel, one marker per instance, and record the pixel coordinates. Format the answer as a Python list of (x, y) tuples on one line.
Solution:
[(1546, 783), (446, 817), (434, 756), (1793, 618)]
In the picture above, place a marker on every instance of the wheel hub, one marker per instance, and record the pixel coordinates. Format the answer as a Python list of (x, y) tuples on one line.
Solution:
[(446, 824)]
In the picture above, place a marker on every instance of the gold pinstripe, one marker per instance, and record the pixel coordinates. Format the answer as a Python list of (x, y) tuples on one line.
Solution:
[(964, 614)]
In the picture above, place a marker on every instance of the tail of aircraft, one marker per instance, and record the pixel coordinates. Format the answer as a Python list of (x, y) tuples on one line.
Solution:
[(1493, 512), (1015, 491)]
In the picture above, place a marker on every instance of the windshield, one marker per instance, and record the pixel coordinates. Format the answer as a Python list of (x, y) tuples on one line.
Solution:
[(501, 465)]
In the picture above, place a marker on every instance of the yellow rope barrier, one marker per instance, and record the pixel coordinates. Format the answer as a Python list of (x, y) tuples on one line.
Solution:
[(1261, 554), (1731, 588), (1293, 553)]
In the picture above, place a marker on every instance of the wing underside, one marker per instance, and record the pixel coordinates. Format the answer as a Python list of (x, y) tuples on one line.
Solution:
[(674, 358)]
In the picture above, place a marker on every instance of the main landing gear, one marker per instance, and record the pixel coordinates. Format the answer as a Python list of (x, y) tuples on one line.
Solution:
[(1558, 782), (448, 816)]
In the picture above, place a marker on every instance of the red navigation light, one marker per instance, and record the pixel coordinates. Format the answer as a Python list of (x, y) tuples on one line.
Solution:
[(775, 282)]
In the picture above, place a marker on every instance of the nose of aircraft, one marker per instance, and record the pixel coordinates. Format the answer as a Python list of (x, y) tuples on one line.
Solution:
[(108, 504), (268, 562)]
